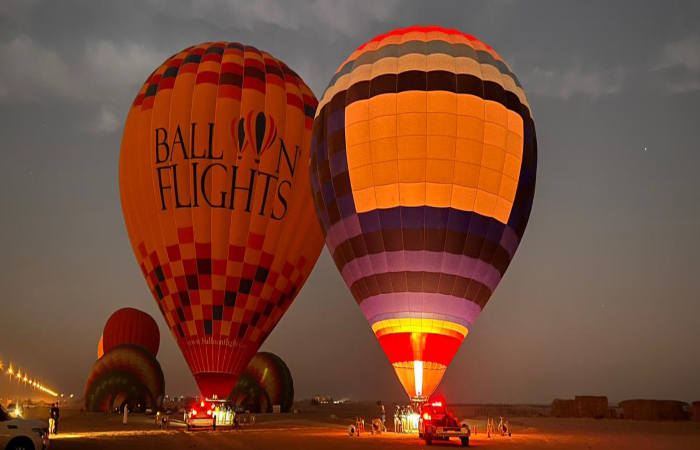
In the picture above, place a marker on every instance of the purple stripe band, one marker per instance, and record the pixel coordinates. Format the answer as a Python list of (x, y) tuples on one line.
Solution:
[(349, 227), (422, 261), (423, 303), (419, 315)]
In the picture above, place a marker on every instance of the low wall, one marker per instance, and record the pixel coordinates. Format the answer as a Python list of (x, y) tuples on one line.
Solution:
[(653, 410), (582, 406)]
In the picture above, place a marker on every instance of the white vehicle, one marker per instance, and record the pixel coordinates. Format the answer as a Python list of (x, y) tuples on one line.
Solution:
[(21, 434)]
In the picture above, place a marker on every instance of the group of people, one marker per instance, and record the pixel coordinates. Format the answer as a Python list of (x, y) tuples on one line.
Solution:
[(503, 428), (54, 414), (162, 420), (402, 419)]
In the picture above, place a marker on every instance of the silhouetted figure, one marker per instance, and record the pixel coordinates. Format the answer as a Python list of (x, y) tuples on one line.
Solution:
[(383, 418), (55, 414)]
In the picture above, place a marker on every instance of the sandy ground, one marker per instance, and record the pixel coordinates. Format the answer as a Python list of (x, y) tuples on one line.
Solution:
[(325, 427)]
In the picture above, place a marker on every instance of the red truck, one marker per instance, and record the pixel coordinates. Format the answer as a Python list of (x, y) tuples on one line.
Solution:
[(436, 423)]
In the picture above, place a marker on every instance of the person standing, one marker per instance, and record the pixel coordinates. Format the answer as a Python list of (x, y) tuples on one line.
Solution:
[(54, 414), (58, 416), (383, 416), (52, 421), (397, 421), (126, 414)]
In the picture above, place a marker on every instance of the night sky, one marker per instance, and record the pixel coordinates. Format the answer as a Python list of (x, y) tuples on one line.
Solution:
[(601, 298)]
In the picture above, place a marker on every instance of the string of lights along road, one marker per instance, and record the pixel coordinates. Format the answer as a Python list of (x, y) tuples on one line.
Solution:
[(29, 381)]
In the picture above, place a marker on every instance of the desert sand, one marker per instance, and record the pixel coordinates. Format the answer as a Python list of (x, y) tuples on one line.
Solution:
[(325, 427)]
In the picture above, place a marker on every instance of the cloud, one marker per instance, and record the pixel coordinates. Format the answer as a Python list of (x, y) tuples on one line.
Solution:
[(100, 71), (31, 71), (679, 65), (684, 53), (107, 121), (349, 18), (578, 79)]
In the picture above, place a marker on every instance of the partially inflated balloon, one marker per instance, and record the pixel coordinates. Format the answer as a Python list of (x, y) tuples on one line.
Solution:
[(249, 395), (217, 203), (268, 372), (127, 369), (130, 326), (423, 169)]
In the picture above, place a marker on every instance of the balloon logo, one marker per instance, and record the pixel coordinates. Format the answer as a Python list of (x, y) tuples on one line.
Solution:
[(423, 167), (261, 130), (225, 243)]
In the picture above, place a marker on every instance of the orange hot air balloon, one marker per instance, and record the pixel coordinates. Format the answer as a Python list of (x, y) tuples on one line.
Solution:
[(131, 326), (423, 168), (100, 347), (214, 187)]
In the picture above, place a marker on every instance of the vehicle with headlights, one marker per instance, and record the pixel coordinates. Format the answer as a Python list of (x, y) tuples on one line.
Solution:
[(201, 415), (436, 423), (21, 434), (15, 410)]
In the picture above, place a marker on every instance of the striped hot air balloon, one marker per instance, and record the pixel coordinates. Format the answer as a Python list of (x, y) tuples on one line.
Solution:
[(216, 199), (423, 166), (126, 372), (269, 373)]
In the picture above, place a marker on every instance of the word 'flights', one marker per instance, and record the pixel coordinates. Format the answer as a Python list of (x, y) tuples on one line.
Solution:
[(241, 182)]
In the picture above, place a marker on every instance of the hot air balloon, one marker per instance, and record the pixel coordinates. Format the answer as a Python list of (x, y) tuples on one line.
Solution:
[(100, 347), (216, 199), (423, 166), (131, 326), (128, 373), (250, 396), (268, 372)]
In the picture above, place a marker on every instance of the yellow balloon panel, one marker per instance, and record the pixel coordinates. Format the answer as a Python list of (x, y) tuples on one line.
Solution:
[(436, 149)]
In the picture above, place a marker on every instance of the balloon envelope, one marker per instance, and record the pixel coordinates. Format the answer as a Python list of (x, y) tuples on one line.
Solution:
[(130, 326), (270, 373), (214, 188), (423, 169), (129, 370)]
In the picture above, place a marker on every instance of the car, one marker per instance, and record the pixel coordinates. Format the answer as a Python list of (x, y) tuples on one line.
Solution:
[(201, 415), (21, 434), (436, 423), (14, 410)]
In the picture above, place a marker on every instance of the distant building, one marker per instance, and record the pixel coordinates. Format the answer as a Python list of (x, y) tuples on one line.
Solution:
[(321, 400)]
